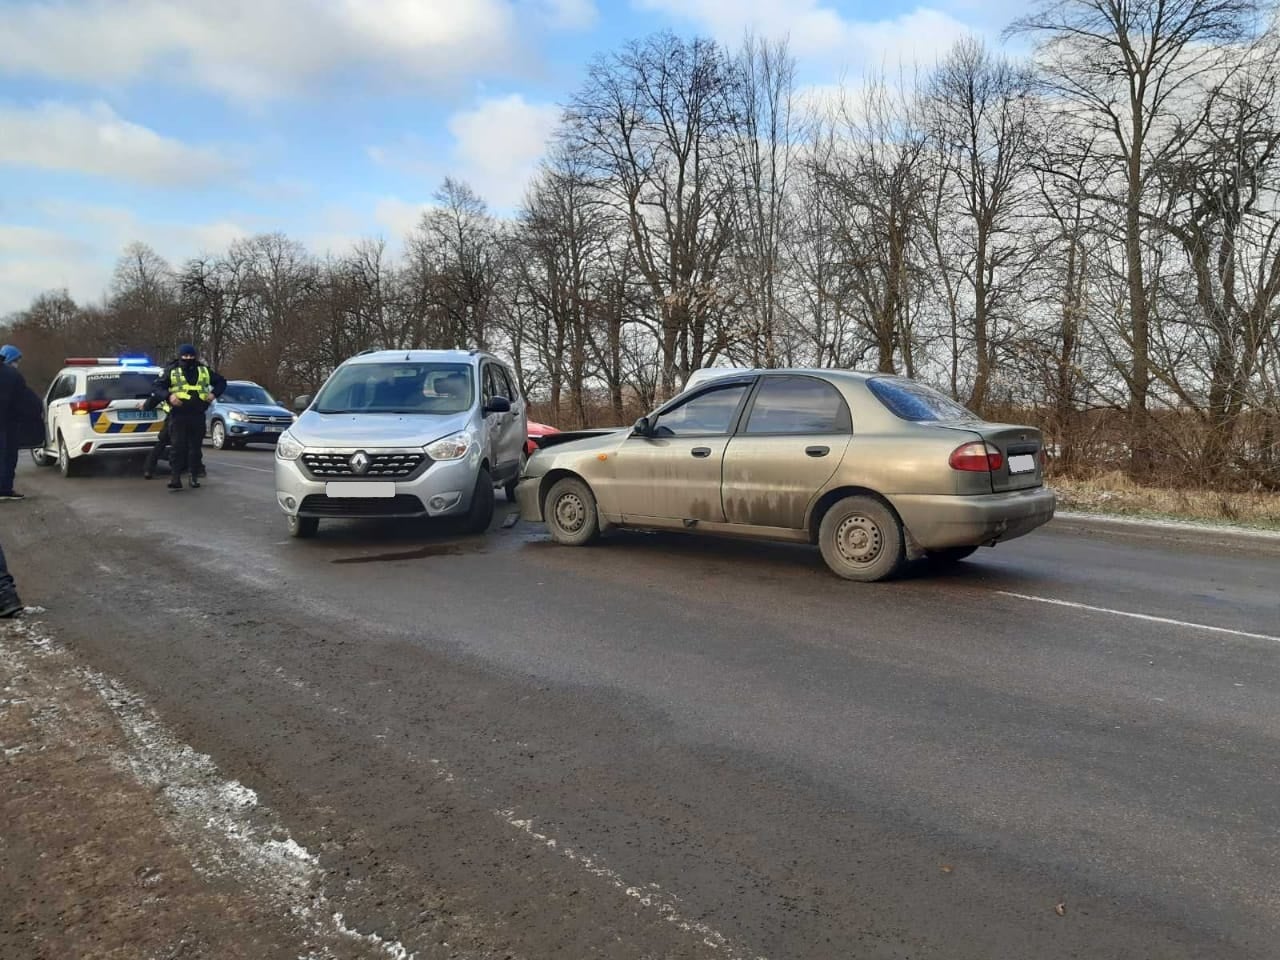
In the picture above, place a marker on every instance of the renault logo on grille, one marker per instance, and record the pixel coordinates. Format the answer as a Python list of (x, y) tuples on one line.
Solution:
[(359, 462)]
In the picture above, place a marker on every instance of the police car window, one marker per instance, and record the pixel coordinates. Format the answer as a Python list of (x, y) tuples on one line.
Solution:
[(798, 405), (707, 414), (409, 387), (125, 385), (64, 386)]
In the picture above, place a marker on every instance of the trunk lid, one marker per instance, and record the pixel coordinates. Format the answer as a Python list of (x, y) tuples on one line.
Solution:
[(1020, 448)]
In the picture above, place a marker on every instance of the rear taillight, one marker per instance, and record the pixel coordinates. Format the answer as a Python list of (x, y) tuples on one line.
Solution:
[(976, 457), (87, 406)]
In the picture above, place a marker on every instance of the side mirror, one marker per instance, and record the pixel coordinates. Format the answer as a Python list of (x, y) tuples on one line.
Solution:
[(643, 428), (301, 403), (497, 405)]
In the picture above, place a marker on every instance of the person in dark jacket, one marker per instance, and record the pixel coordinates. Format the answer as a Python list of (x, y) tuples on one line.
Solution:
[(191, 386), (10, 605), (157, 402), (21, 419)]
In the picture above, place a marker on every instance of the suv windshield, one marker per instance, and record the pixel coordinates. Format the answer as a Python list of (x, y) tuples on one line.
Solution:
[(118, 386), (912, 400), (408, 387), (247, 393)]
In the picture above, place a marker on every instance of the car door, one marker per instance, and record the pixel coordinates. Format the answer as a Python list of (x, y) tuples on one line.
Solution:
[(513, 429), (505, 460), (58, 406), (792, 438), (674, 473)]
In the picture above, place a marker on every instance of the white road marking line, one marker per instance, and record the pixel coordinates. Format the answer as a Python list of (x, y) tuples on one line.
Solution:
[(1140, 616), (243, 466)]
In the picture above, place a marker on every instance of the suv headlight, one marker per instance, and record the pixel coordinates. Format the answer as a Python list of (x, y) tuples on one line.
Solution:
[(288, 447), (237, 416), (452, 447)]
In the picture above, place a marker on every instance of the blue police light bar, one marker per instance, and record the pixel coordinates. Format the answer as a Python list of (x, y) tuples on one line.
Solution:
[(138, 360)]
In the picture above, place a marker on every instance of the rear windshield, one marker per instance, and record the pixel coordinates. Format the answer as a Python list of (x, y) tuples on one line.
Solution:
[(409, 387), (247, 393), (118, 386), (912, 400)]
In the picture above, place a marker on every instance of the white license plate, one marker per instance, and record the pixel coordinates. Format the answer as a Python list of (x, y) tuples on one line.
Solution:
[(1022, 463), (272, 429), (123, 415), (360, 488)]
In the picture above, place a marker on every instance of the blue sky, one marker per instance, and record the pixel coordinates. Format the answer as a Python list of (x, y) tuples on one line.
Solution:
[(188, 123)]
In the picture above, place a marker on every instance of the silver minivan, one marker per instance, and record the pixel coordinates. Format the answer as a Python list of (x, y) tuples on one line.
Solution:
[(404, 433)]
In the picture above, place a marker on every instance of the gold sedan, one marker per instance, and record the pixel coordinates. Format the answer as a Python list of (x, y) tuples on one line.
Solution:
[(876, 470)]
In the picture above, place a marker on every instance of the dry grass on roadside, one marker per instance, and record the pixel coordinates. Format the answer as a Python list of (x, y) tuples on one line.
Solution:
[(1116, 493)]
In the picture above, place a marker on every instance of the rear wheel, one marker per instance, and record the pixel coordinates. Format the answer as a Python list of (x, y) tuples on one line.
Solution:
[(951, 554), (482, 500), (302, 528), (861, 539), (571, 515), (66, 466)]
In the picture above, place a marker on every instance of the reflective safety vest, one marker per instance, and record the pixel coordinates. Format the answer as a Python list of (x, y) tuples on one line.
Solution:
[(163, 407), (202, 389)]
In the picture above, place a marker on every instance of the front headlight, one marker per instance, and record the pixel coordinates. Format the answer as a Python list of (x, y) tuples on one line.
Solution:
[(452, 447), (237, 416), (288, 447)]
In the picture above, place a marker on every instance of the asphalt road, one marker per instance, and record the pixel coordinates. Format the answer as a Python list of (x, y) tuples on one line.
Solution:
[(671, 747)]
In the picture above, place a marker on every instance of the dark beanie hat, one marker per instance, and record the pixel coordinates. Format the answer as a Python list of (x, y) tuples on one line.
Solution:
[(185, 349)]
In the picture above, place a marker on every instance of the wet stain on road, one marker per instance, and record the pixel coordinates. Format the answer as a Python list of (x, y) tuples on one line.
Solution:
[(430, 550)]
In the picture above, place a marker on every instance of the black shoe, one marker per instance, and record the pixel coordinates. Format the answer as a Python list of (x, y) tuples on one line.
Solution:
[(10, 605), (146, 474), (12, 495), (175, 484), (195, 482)]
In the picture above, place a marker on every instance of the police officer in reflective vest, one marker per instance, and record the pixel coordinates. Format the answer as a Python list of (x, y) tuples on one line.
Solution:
[(191, 386)]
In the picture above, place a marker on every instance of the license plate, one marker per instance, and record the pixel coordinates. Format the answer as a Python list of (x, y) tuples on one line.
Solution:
[(360, 488), (1022, 463), (272, 429), (134, 414)]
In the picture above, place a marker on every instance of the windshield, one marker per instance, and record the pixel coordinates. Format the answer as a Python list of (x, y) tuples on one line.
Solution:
[(409, 387), (118, 386), (247, 393), (912, 400)]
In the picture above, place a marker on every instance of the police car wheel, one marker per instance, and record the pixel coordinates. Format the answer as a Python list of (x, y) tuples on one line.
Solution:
[(41, 457), (219, 435), (303, 527), (66, 466)]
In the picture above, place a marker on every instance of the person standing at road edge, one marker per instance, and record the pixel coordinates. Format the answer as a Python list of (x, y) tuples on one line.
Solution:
[(21, 419), (191, 387), (10, 605)]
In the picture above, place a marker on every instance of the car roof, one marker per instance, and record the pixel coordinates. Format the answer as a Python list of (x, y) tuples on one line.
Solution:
[(707, 374), (451, 356)]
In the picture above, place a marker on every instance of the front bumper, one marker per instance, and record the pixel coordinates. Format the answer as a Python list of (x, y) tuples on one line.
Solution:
[(444, 489), (254, 432), (953, 521), (529, 499)]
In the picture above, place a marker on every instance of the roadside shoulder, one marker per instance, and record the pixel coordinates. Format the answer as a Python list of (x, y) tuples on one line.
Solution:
[(1193, 531)]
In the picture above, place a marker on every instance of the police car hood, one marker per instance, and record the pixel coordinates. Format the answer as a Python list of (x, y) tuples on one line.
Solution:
[(366, 430)]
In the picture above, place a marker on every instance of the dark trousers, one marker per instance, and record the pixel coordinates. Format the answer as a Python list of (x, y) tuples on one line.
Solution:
[(6, 581), (8, 460), (186, 437), (153, 455)]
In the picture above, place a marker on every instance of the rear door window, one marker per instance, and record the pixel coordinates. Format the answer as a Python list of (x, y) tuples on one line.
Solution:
[(915, 401), (798, 405)]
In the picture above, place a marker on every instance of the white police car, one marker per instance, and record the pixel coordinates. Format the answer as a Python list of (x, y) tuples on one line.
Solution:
[(93, 408)]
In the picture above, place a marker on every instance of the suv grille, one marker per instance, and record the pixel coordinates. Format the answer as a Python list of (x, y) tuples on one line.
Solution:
[(268, 418), (382, 466), (401, 505)]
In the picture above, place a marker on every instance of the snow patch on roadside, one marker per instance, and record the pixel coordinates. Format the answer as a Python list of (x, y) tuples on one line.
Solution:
[(1171, 523)]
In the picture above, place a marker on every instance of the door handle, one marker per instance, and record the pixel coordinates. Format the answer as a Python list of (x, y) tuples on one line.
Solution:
[(701, 452), (817, 451)]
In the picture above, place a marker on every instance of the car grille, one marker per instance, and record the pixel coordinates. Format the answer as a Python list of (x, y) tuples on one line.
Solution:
[(267, 418), (382, 466), (401, 505)]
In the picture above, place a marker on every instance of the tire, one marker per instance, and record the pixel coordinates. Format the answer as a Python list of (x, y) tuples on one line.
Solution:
[(510, 488), (218, 435), (570, 512), (482, 502), (951, 554), (861, 539), (66, 466), (303, 528), (40, 456)]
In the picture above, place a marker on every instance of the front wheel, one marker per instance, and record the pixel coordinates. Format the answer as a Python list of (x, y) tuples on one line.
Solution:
[(302, 528), (570, 509), (218, 434), (482, 501), (861, 539)]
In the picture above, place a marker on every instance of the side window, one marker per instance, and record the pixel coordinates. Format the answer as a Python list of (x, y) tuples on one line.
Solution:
[(798, 405), (63, 387), (707, 414), (507, 382), (487, 386)]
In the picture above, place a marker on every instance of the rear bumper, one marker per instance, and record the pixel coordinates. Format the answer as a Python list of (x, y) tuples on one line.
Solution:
[(951, 521)]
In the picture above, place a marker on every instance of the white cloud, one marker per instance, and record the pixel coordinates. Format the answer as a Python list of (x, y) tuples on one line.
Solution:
[(255, 49), (816, 30), (397, 217), (93, 139), (570, 14)]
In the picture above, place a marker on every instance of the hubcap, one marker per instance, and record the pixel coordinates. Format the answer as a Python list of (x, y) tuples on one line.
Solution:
[(570, 513), (218, 435), (859, 539)]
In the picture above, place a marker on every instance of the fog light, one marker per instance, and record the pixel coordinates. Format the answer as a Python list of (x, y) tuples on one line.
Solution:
[(86, 447), (443, 501), (437, 503), (290, 502)]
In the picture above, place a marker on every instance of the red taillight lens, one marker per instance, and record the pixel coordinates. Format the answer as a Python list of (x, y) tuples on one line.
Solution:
[(976, 457), (85, 406)]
